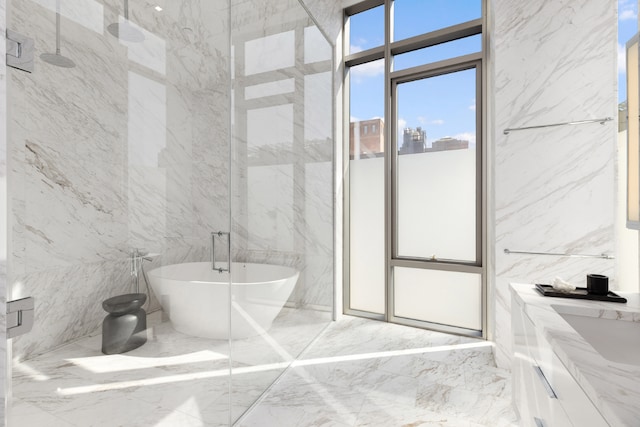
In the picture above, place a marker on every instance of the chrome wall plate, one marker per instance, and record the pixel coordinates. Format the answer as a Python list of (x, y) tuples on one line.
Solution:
[(19, 316), (20, 51)]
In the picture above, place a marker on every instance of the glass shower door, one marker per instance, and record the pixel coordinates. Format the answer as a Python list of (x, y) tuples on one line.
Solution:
[(282, 191), (142, 132), (118, 148)]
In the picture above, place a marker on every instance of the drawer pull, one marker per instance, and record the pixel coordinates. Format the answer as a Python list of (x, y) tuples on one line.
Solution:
[(545, 383)]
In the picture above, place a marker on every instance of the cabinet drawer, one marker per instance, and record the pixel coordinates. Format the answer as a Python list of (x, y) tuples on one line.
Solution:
[(544, 391), (550, 412), (573, 399)]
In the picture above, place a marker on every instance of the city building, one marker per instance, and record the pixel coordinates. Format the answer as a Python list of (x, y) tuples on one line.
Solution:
[(366, 138), (448, 143), (413, 141)]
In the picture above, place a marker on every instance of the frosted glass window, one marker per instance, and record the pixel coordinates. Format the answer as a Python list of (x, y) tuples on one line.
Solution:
[(449, 298), (366, 231)]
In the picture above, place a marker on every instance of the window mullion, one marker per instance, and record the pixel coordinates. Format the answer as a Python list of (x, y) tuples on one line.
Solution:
[(388, 158)]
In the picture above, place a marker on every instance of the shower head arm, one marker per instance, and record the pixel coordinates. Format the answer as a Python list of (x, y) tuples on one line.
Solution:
[(58, 32)]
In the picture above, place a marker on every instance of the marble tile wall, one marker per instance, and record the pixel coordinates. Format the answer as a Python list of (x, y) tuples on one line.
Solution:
[(127, 149), (552, 61), (328, 16), (3, 213), (130, 149)]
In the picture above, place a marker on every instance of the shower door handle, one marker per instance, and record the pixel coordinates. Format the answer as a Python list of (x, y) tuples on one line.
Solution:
[(213, 251)]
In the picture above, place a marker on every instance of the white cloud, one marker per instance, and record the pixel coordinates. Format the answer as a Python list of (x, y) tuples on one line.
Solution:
[(421, 120), (627, 10), (402, 124), (627, 14), (368, 69), (437, 122), (354, 119), (357, 46), (622, 59), (472, 107), (467, 136)]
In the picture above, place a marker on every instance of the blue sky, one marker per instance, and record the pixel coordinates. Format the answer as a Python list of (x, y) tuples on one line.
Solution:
[(627, 27), (448, 107), (443, 106)]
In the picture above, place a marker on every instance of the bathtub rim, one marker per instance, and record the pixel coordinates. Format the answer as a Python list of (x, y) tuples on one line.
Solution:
[(295, 272)]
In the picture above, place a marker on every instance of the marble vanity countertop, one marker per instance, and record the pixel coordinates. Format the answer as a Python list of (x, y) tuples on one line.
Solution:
[(614, 388)]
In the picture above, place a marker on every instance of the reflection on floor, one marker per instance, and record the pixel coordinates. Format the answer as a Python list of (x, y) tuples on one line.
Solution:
[(367, 373), (358, 373), (172, 380)]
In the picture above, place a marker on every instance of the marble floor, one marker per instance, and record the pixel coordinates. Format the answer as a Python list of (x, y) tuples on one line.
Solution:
[(173, 380), (367, 373), (357, 373)]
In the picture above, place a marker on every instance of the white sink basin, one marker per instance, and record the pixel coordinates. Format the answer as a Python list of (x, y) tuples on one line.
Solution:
[(615, 340)]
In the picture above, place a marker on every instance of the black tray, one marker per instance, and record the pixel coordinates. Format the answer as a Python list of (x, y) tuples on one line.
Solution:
[(579, 293)]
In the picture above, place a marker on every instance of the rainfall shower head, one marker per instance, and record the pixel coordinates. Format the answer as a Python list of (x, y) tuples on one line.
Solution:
[(124, 30), (57, 58)]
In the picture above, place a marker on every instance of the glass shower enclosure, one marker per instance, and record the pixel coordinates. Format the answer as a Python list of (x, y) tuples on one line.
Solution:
[(153, 147)]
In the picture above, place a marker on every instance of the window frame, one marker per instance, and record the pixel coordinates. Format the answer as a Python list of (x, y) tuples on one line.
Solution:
[(391, 77), (473, 61)]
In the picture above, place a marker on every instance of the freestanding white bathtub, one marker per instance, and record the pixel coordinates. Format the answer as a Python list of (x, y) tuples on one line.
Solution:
[(196, 298)]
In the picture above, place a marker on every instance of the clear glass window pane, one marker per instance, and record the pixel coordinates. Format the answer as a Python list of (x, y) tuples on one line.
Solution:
[(366, 110), (414, 17), (439, 52), (366, 30), (436, 167)]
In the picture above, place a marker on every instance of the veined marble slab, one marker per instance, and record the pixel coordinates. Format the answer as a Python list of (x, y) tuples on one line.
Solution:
[(552, 62)]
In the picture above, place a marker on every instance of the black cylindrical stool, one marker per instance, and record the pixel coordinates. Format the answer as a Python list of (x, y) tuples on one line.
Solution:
[(124, 327)]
